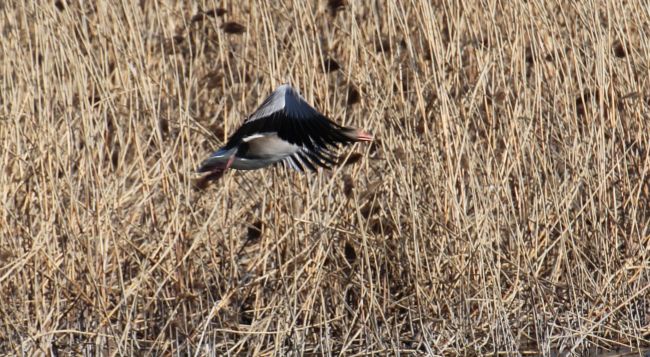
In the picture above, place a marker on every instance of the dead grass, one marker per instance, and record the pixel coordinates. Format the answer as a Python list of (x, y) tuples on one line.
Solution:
[(503, 209)]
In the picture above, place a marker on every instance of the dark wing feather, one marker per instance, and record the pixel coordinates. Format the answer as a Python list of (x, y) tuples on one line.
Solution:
[(286, 113), (305, 160), (311, 132)]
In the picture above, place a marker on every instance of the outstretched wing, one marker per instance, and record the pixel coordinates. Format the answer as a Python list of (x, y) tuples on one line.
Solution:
[(286, 114)]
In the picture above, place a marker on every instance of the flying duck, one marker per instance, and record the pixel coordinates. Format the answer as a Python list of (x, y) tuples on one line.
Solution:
[(283, 129)]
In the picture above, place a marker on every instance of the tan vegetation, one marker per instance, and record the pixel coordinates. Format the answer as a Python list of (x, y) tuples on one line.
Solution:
[(503, 207)]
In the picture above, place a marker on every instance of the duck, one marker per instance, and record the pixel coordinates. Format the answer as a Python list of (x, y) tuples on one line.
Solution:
[(284, 129)]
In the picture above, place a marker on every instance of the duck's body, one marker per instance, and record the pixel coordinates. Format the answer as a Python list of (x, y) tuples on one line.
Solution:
[(283, 129)]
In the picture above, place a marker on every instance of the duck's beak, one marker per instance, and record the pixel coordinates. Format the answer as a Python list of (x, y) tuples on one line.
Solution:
[(363, 136), (356, 134)]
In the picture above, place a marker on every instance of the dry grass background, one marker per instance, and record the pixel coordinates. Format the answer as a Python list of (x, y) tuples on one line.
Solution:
[(502, 209)]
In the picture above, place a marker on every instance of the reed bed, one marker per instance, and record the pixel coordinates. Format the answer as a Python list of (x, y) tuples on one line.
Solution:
[(503, 207)]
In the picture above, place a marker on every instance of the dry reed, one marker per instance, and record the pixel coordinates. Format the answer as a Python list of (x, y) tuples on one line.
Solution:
[(502, 209)]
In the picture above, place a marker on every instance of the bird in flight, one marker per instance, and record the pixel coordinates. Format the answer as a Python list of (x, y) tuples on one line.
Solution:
[(283, 129)]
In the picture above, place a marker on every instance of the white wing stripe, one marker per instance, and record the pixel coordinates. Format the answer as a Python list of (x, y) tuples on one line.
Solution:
[(254, 136)]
